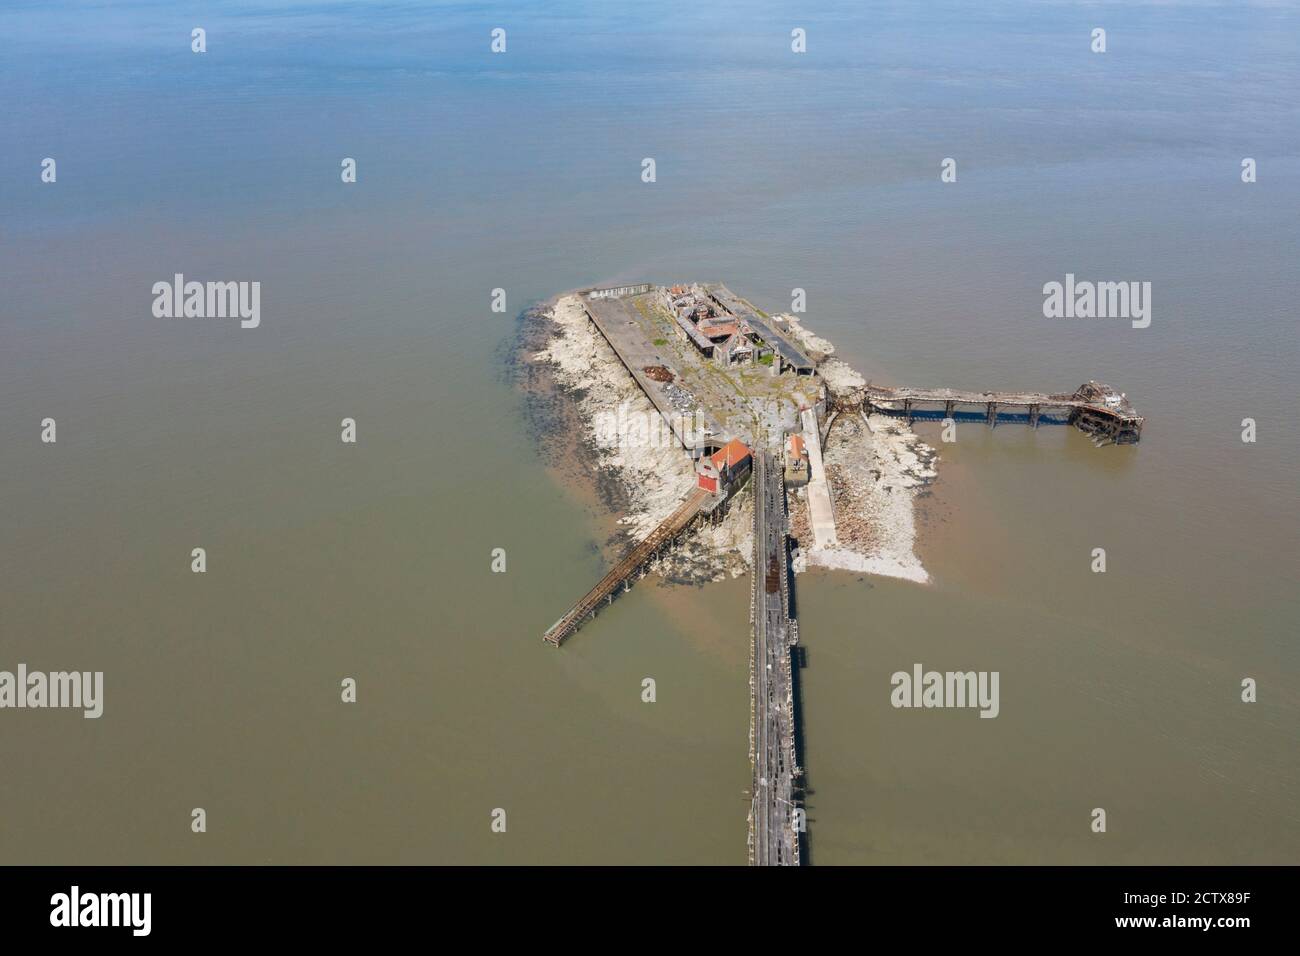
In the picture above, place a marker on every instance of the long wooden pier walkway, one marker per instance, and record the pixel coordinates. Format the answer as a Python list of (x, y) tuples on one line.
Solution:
[(660, 537)]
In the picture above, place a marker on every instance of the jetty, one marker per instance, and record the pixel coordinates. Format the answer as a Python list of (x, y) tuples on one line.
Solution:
[(619, 578), (775, 819), (821, 508), (1094, 408)]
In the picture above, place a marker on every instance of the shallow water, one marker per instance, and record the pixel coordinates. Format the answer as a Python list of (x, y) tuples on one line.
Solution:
[(522, 172)]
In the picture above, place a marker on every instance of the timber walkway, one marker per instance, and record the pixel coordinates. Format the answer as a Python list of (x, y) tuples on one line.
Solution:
[(619, 575)]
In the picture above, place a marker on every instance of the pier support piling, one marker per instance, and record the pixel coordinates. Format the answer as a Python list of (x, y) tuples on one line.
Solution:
[(618, 580), (1094, 408)]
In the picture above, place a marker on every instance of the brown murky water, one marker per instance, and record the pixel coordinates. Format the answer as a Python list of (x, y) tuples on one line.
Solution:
[(325, 561)]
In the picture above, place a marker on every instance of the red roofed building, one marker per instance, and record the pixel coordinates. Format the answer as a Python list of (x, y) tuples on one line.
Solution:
[(796, 461), (724, 469)]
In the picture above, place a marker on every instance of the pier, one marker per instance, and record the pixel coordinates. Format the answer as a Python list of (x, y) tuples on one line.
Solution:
[(773, 834), (1094, 408), (620, 576)]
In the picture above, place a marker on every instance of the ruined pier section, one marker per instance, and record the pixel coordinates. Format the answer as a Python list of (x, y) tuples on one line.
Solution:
[(619, 578), (1097, 410)]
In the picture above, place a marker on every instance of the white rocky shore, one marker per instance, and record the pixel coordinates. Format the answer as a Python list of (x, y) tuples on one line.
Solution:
[(875, 466)]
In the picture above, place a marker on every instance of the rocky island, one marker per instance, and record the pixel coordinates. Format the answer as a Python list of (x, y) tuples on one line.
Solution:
[(664, 377)]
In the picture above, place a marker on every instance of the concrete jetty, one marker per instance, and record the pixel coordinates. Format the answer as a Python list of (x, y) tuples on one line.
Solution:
[(821, 512)]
